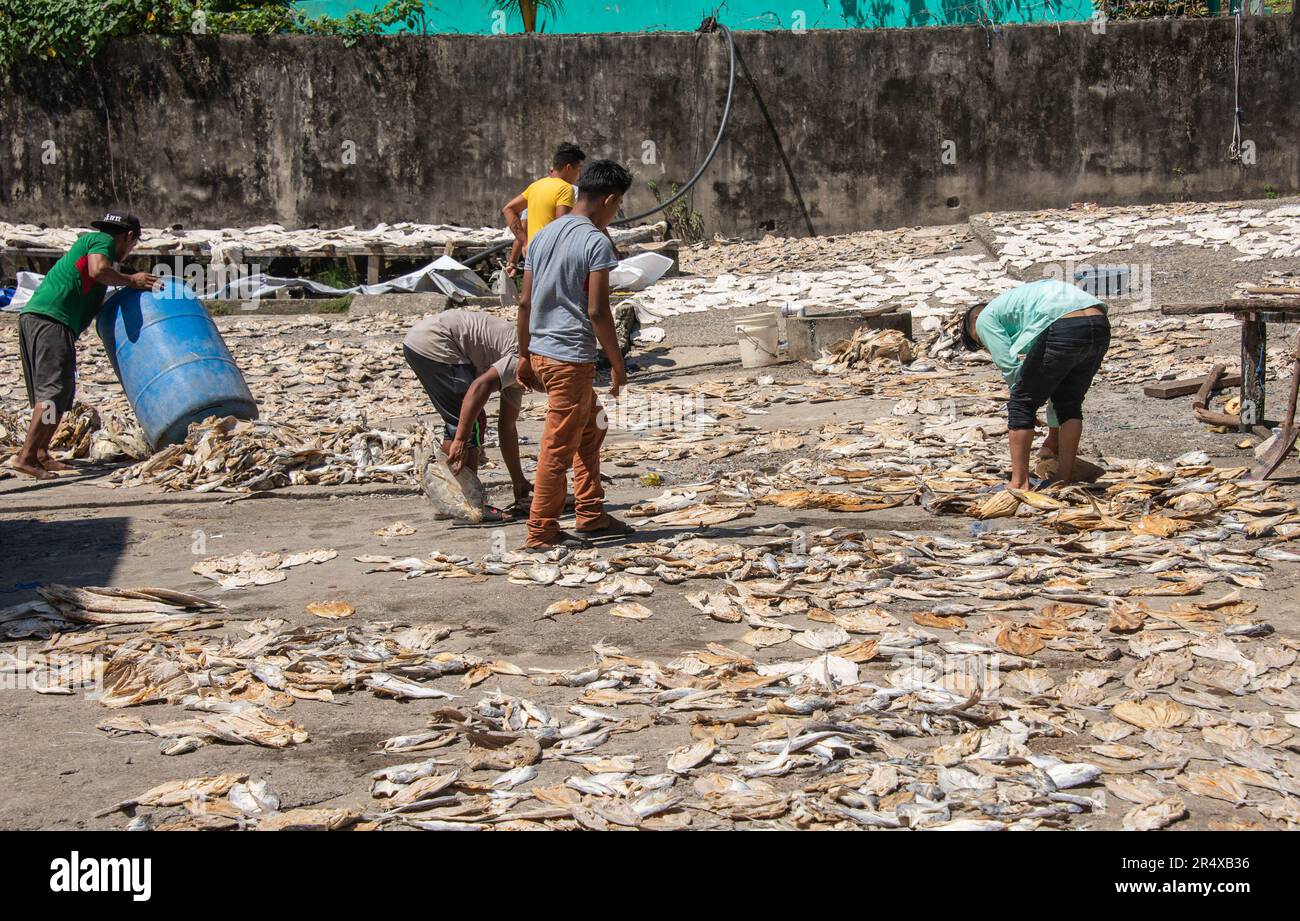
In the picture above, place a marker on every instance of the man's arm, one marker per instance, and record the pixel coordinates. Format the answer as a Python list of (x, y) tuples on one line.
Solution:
[(525, 314), (475, 399), (522, 319), (516, 250), (602, 322), (100, 269), (512, 211), (508, 435)]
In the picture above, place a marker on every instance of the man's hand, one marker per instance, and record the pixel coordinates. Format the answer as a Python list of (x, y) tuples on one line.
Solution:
[(143, 281), (527, 376), (456, 456), (511, 270), (617, 379)]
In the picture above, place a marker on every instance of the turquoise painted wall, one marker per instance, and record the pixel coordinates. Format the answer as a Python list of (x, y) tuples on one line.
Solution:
[(476, 17)]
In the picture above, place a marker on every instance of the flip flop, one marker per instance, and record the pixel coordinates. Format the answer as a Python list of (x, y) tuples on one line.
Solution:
[(564, 539), (612, 526)]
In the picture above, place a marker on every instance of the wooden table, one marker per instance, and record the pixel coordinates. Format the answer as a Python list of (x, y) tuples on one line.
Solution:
[(1256, 310)]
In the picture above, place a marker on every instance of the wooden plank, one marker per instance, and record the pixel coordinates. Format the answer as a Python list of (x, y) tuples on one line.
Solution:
[(1234, 305), (1208, 383), (373, 263), (1254, 366), (1272, 290), (1167, 390)]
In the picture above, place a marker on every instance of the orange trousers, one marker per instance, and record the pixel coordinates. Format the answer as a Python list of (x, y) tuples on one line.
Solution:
[(571, 437)]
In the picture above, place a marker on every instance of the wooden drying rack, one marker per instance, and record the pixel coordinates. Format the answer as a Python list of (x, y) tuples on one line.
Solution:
[(1261, 305)]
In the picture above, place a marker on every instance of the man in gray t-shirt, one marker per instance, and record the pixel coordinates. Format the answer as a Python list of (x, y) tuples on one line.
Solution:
[(563, 313), (561, 258)]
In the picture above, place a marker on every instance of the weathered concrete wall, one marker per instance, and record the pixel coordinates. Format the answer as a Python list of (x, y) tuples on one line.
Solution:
[(237, 130)]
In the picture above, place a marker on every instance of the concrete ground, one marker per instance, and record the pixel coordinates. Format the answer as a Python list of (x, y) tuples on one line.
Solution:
[(61, 770)]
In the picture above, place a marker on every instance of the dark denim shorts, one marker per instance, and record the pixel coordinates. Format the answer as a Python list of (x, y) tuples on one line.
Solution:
[(1060, 367), (446, 386)]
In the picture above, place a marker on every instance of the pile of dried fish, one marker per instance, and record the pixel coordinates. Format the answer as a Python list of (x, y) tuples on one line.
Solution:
[(64, 607), (1041, 675), (234, 454), (785, 254), (1024, 239), (931, 286), (249, 568), (229, 243), (83, 434), (868, 350)]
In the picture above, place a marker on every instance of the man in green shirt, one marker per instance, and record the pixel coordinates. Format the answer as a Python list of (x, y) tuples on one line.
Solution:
[(59, 311), (1048, 339)]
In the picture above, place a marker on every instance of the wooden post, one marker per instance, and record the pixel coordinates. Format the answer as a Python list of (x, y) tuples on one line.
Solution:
[(373, 263), (1254, 343)]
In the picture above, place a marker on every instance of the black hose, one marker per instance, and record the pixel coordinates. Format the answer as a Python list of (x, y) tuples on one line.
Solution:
[(708, 26), (717, 141), (776, 139)]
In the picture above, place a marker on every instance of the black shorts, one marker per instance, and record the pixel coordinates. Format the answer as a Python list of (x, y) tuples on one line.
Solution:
[(49, 354), (446, 386), (1060, 367)]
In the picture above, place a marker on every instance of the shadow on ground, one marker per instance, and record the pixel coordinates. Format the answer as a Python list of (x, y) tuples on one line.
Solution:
[(79, 551)]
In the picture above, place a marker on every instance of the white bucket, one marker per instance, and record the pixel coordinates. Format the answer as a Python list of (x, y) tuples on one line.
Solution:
[(759, 338)]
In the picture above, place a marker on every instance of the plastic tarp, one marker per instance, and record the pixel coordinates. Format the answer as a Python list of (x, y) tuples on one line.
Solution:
[(444, 275), (27, 284)]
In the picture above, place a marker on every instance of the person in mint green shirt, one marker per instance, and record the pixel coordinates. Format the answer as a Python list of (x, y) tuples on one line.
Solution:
[(50, 323), (1048, 339)]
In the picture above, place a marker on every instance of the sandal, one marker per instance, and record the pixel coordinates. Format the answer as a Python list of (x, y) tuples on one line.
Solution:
[(562, 539), (611, 526)]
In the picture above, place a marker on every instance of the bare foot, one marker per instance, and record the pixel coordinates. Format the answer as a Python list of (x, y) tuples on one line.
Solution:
[(36, 471), (54, 466)]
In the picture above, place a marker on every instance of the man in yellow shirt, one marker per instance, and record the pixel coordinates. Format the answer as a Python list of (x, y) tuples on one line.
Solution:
[(544, 201)]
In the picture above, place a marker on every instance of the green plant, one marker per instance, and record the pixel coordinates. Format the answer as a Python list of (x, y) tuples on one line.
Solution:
[(75, 30), (684, 222), (336, 275), (1270, 192), (1151, 9), (334, 305), (528, 9)]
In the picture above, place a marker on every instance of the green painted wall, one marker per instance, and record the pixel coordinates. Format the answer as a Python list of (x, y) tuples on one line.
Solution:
[(480, 17)]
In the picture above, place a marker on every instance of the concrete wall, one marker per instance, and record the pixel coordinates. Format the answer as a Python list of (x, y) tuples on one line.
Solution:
[(470, 18), (239, 130)]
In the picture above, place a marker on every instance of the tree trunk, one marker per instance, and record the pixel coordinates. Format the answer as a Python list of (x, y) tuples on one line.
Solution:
[(528, 9)]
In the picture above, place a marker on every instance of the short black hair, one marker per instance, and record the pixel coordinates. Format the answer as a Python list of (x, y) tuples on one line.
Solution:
[(603, 177), (567, 155), (967, 321)]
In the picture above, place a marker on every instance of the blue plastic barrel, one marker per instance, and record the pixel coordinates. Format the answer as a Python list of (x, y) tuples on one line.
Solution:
[(171, 360)]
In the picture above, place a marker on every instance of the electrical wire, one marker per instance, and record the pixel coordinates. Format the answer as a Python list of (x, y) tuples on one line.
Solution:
[(722, 126), (1234, 150), (708, 26)]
